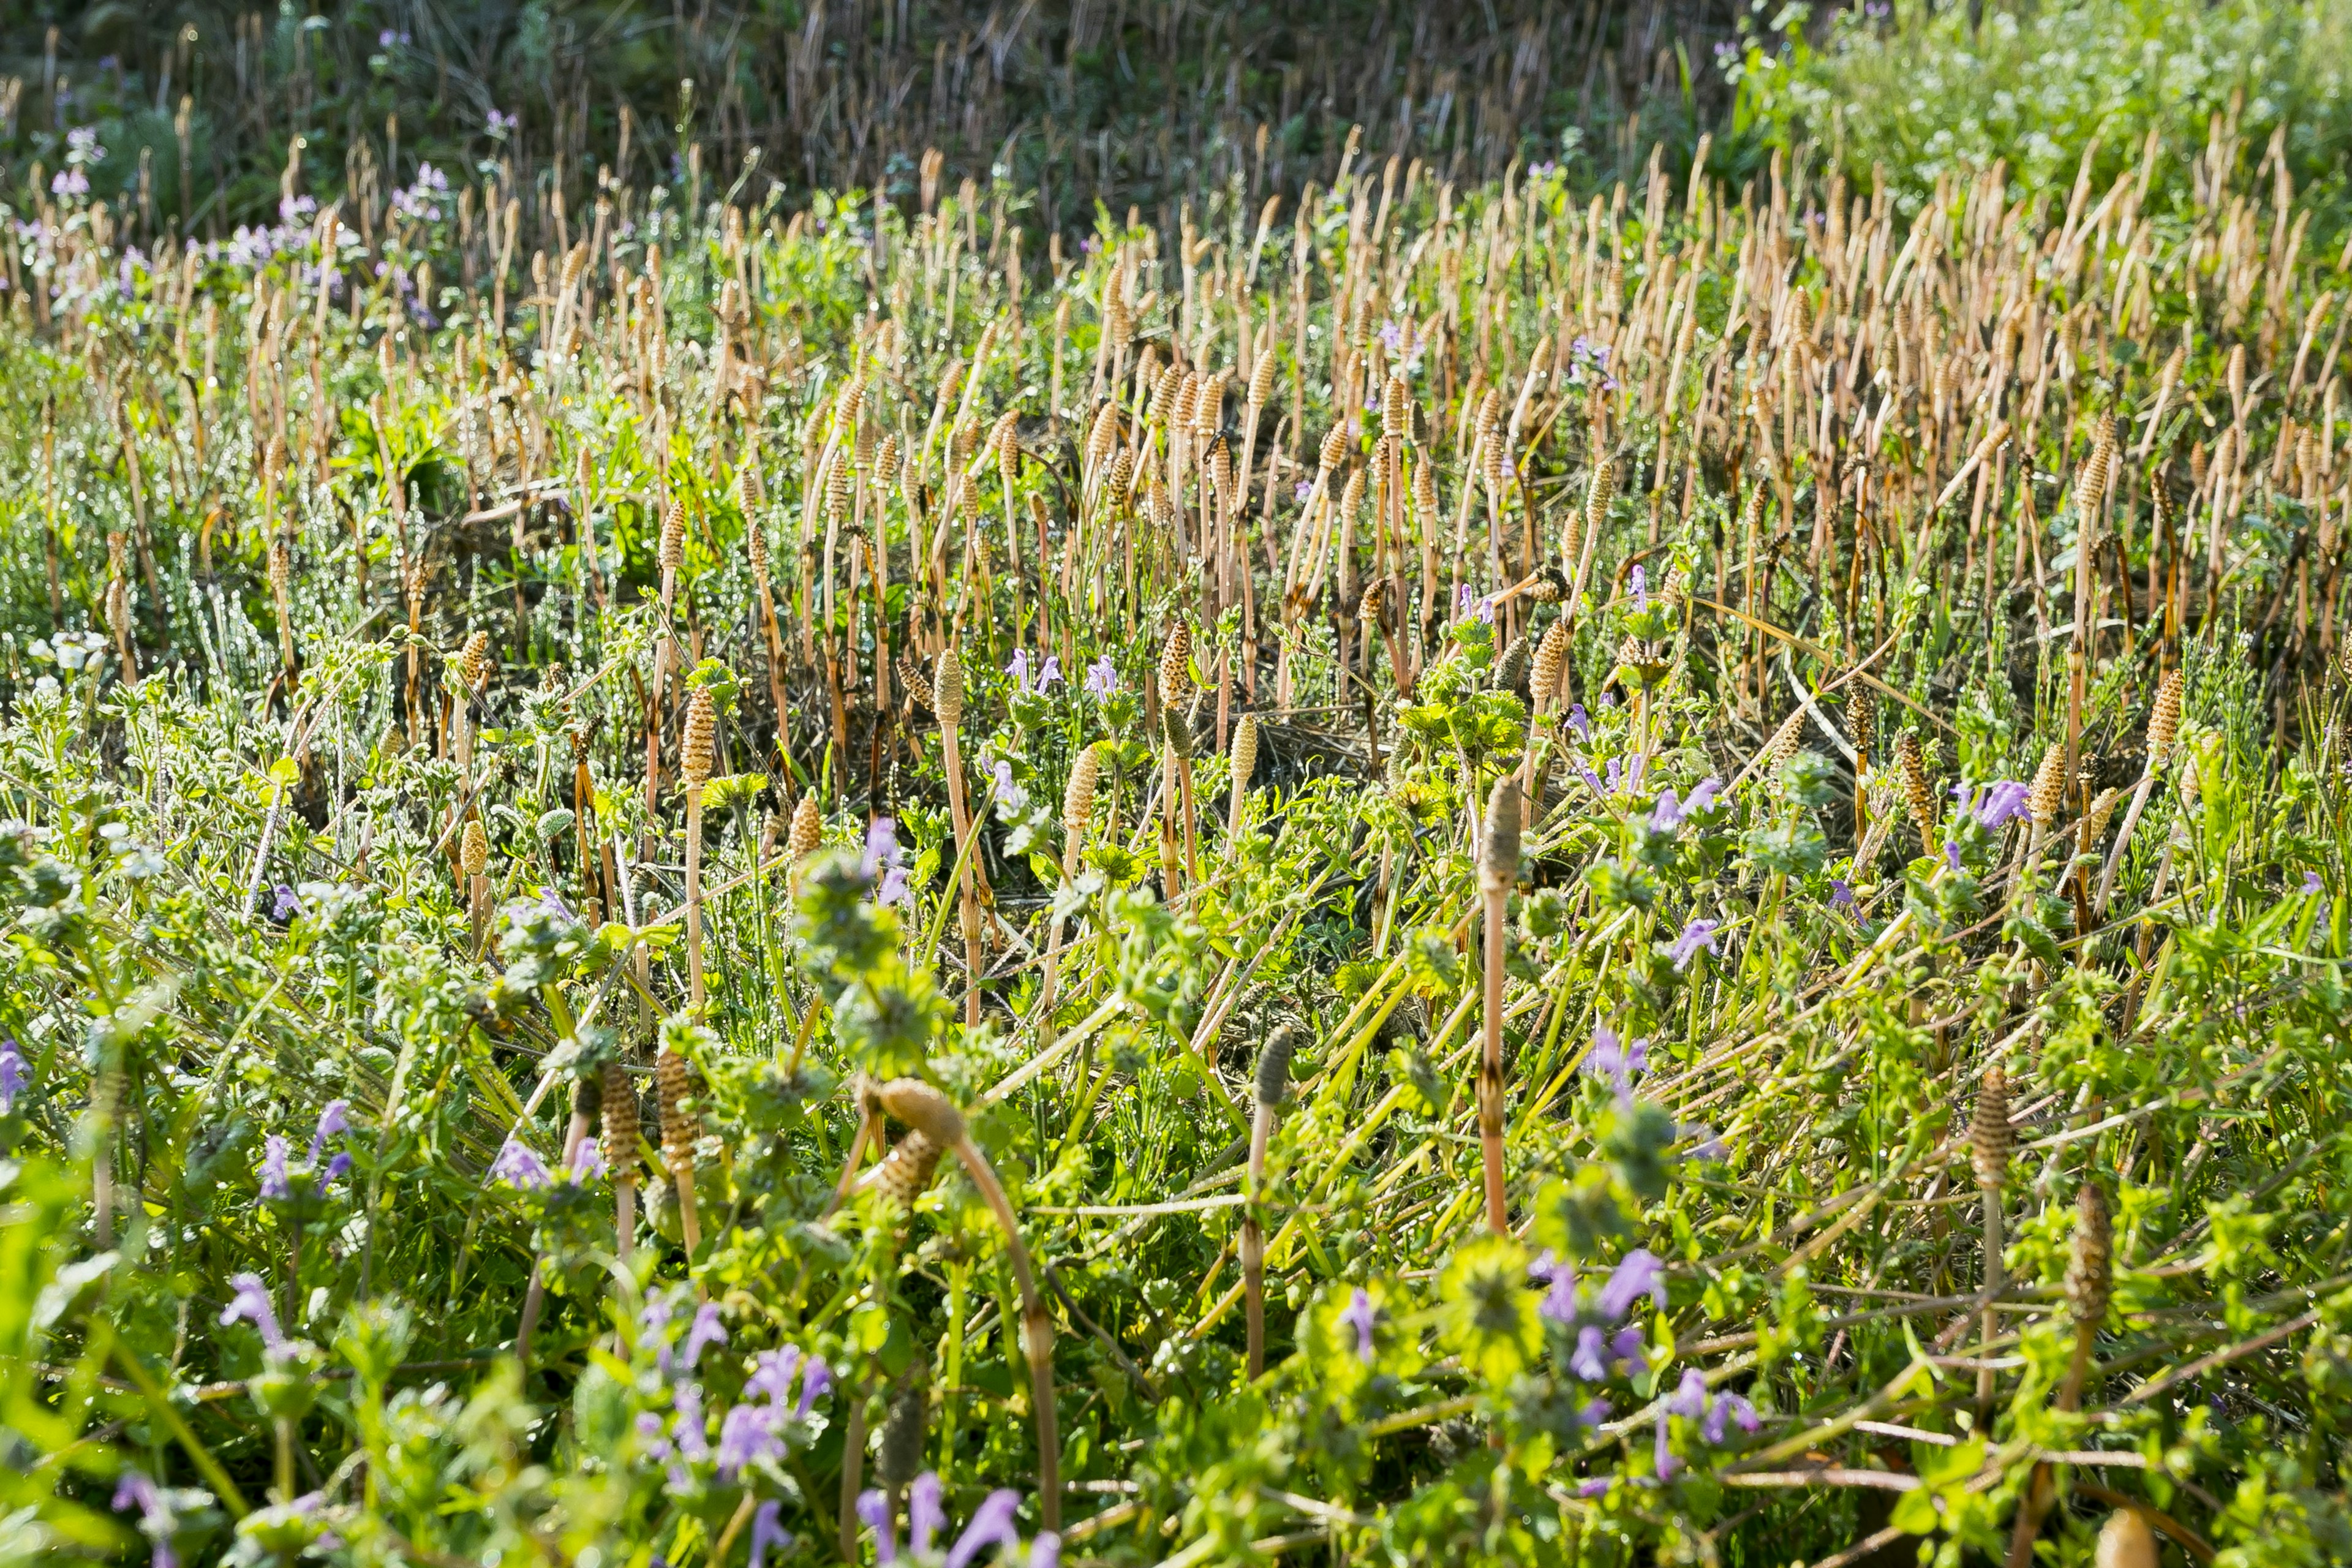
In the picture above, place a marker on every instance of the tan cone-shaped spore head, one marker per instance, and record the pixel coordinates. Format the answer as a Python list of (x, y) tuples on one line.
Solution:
[(474, 660), (1079, 799), (620, 1111), (1552, 657), (473, 848), (1498, 845), (698, 751), (2164, 723), (808, 828), (1990, 1135), (925, 1108), (2048, 791), (1245, 749), (947, 687), (1912, 768), (1175, 664)]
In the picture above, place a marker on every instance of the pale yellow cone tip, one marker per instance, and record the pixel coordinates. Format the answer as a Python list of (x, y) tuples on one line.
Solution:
[(808, 828), (473, 848)]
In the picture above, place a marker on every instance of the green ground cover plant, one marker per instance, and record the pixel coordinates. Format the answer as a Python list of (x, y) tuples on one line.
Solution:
[(1432, 873)]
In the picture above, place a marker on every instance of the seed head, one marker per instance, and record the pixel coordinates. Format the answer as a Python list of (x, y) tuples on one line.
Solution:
[(1209, 404), (1372, 609), (1079, 798), (673, 538), (671, 1086), (1784, 742), (2090, 1271), (909, 1168), (1175, 665), (1424, 485), (1335, 447), (620, 1122), (917, 684), (1396, 408), (1912, 768), (1989, 1136), (1122, 475), (473, 848), (2049, 790), (2164, 723), (1176, 728), (1597, 495), (1862, 718), (699, 747), (1273, 1065), (1102, 434), (925, 1108), (1552, 657), (1498, 846), (947, 687), (1261, 380), (808, 829), (1245, 753), (2126, 1541), (1163, 397), (474, 660), (885, 462)]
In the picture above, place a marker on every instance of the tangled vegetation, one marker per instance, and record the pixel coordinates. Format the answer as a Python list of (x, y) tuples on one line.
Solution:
[(1450, 875)]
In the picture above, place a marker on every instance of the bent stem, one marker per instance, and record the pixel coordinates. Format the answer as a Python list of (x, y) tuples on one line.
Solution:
[(1036, 1333), (967, 902)]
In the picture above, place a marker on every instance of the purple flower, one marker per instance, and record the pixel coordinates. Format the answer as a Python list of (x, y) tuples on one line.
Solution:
[(1628, 1347), (1580, 721), (1593, 1486), (1637, 1275), (1392, 335), (767, 1534), (14, 1073), (1591, 781), (136, 1490), (653, 1322), (1591, 1358), (251, 1305), (991, 1525), (1019, 670), (881, 845), (1002, 791), (874, 1508), (687, 1431), (924, 1514), (1593, 1413), (1689, 1397), (587, 1161), (1842, 896), (1463, 599), (337, 1168), (1050, 673), (69, 181), (1559, 1301), (1046, 1551), (650, 1432), (1616, 773), (498, 124), (747, 1435), (1728, 1406), (1641, 591), (1301, 490), (333, 1121), (705, 1330), (816, 1380), (273, 1184), (1360, 1315), (1102, 677), (1615, 1062), (772, 1372), (1952, 855), (2004, 802), (1702, 795), (1699, 933), (1667, 1464), (1668, 816), (1709, 1145), (2311, 884), (285, 905), (893, 889)]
